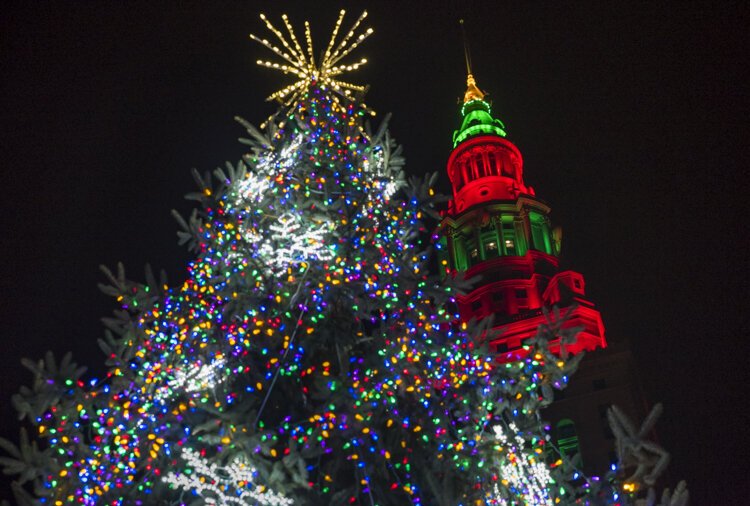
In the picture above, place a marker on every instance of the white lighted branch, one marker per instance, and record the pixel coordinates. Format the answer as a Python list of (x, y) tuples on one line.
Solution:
[(524, 474), (232, 484)]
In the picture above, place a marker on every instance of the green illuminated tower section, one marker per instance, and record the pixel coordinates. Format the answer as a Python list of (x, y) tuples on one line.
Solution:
[(498, 234)]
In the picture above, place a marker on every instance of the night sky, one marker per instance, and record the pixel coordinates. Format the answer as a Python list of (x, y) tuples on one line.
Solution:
[(632, 119)]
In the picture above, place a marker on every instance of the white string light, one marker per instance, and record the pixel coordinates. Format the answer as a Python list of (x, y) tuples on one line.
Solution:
[(198, 377), (193, 378), (225, 485), (254, 187), (383, 182), (527, 476), (299, 241)]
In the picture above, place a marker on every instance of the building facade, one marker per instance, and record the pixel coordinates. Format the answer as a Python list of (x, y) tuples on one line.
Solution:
[(498, 234)]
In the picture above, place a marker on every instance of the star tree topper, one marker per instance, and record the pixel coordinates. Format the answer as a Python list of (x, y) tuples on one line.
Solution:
[(302, 63)]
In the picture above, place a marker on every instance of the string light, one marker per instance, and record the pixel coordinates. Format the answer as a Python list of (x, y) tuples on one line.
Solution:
[(302, 63), (234, 483), (197, 377), (523, 472), (309, 289)]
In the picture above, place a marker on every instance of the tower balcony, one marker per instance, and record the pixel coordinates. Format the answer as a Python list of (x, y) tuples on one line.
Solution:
[(515, 331)]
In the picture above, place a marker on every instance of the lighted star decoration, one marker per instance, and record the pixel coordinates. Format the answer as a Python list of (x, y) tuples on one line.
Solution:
[(302, 63)]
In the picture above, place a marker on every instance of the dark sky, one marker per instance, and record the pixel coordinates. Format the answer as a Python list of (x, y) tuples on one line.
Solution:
[(632, 119)]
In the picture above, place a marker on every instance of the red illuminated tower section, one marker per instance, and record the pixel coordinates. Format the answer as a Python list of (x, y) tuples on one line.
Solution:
[(498, 233)]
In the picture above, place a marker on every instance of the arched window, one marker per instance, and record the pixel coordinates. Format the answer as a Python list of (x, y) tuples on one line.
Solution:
[(491, 163), (567, 441), (540, 233), (479, 160), (459, 175), (508, 167), (473, 256), (488, 238), (489, 157), (465, 172), (509, 236), (474, 169), (459, 253)]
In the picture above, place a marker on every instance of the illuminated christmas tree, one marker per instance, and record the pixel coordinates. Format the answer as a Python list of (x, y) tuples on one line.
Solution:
[(310, 357)]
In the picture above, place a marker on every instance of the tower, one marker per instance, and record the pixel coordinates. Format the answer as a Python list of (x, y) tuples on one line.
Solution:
[(498, 234)]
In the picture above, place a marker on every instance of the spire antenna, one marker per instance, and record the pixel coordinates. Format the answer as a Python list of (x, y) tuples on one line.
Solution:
[(472, 91), (467, 54)]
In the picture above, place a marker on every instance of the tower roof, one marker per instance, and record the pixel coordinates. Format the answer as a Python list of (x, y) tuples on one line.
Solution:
[(477, 115)]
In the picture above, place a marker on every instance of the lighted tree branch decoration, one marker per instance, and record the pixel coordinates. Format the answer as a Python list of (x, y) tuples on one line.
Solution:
[(634, 449)]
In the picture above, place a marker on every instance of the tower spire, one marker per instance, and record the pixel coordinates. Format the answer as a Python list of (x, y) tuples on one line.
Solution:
[(472, 91), (498, 236)]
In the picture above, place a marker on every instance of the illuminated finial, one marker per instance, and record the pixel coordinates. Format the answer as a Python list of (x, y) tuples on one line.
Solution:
[(472, 91), (302, 64)]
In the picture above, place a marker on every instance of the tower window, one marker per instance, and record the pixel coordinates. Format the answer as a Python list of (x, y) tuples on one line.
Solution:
[(566, 430), (540, 233), (567, 441), (459, 252), (500, 164), (521, 293), (509, 236), (488, 236), (472, 249), (507, 168), (482, 167), (497, 296), (474, 168), (465, 172), (476, 305), (491, 164)]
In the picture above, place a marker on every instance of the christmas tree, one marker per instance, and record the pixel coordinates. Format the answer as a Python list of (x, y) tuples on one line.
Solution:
[(311, 357)]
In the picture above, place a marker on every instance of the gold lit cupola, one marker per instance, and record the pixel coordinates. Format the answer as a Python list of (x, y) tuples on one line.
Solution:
[(472, 92)]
